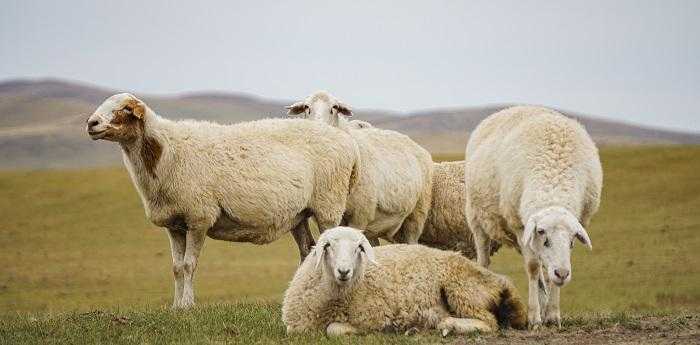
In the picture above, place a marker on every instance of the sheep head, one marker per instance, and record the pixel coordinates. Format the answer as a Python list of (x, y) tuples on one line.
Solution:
[(549, 234), (119, 118), (342, 253), (320, 106)]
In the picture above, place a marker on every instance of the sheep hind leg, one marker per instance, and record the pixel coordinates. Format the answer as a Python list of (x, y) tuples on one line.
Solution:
[(177, 248), (482, 244), (462, 326), (336, 329), (304, 239), (412, 227)]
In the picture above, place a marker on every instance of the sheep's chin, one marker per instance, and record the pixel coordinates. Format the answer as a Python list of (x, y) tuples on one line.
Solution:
[(343, 283), (97, 135)]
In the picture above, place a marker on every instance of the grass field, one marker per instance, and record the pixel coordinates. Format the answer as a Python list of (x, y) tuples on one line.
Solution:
[(80, 259)]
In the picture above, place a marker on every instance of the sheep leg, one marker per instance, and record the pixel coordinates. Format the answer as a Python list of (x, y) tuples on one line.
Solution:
[(552, 314), (304, 239), (462, 326), (339, 329), (533, 267), (482, 244), (195, 241), (177, 249)]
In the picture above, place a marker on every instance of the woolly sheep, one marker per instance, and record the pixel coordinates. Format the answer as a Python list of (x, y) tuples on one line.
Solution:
[(345, 286), (391, 198), (534, 180), (446, 226), (250, 182)]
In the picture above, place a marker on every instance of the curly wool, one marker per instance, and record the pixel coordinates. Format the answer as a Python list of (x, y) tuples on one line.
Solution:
[(446, 226), (410, 286)]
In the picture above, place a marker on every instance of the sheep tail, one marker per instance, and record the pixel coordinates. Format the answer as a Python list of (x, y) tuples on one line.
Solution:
[(510, 310)]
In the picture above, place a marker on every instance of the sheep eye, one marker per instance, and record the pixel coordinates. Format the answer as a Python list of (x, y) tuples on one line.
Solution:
[(362, 248), (540, 231), (325, 246), (547, 243)]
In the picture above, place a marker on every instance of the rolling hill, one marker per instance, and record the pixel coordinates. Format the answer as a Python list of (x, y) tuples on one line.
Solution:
[(42, 122)]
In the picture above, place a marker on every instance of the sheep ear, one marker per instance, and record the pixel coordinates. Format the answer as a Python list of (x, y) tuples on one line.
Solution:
[(344, 109), (296, 108), (582, 236), (368, 250), (136, 107), (529, 231), (319, 252)]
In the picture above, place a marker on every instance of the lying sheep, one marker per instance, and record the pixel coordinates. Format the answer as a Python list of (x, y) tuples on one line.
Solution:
[(250, 182), (345, 286), (446, 227), (534, 181), (394, 179)]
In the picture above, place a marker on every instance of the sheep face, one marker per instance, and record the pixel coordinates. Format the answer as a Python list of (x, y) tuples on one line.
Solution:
[(342, 253), (550, 234), (320, 106), (119, 118)]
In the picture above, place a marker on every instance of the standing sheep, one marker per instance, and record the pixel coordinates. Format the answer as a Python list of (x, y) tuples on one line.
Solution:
[(345, 286), (534, 181), (446, 227), (391, 198), (250, 182)]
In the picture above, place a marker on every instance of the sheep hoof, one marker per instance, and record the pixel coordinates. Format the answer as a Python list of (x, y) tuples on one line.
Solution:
[(411, 331), (553, 321)]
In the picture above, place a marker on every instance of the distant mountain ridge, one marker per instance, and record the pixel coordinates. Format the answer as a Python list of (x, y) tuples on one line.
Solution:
[(41, 122)]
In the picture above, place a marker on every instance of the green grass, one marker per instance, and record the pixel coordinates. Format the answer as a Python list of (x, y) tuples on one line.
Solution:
[(77, 241), (258, 323)]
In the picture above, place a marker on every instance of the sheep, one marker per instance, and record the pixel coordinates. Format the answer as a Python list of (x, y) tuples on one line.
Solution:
[(391, 198), (534, 181), (249, 182), (446, 226), (359, 124), (315, 107), (345, 286)]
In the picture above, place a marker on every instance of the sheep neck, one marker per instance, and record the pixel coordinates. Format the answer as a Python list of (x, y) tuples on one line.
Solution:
[(144, 154)]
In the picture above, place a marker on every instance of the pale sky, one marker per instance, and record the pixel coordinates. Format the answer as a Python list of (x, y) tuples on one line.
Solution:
[(635, 61)]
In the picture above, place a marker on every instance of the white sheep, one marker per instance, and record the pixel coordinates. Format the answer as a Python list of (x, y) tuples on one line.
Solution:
[(324, 107), (250, 182), (534, 180), (345, 286), (391, 198), (359, 124), (446, 226)]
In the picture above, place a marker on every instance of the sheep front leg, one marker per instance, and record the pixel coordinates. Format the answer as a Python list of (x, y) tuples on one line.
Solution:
[(552, 313), (533, 266), (195, 241), (177, 249)]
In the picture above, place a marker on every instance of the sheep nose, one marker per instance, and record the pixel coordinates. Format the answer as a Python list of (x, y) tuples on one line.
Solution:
[(92, 123), (343, 273), (561, 273)]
